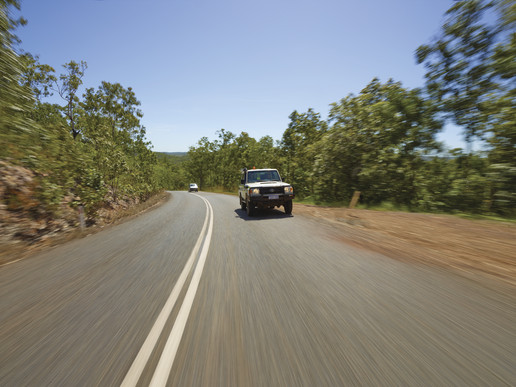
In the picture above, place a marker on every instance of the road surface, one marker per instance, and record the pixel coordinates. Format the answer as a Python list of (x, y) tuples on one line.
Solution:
[(196, 293)]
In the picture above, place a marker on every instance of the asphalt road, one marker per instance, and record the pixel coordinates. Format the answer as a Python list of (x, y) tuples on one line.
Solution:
[(196, 293)]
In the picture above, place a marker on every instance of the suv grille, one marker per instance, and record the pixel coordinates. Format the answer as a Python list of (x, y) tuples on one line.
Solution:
[(271, 190)]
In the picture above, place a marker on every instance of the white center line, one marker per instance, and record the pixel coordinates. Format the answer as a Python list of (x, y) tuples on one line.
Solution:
[(168, 355), (139, 363)]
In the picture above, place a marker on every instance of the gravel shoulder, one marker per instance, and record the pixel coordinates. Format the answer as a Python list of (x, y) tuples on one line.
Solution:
[(473, 247)]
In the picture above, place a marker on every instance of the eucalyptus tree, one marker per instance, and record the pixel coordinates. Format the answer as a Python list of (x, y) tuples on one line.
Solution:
[(111, 120), (67, 88), (43, 82), (268, 153), (170, 172), (471, 71), (226, 156), (15, 98), (256, 153), (471, 63), (118, 106), (374, 144), (201, 161), (39, 77), (298, 148), (247, 149)]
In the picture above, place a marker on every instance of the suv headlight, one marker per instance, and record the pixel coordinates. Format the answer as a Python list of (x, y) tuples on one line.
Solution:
[(254, 191), (289, 190)]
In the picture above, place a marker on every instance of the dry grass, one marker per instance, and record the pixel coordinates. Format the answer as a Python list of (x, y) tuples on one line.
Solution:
[(470, 246)]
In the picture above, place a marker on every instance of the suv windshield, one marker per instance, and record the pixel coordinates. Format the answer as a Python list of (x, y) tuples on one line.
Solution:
[(259, 176)]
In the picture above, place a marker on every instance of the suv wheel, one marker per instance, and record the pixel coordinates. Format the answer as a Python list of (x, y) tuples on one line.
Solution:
[(288, 207), (249, 208), (243, 205)]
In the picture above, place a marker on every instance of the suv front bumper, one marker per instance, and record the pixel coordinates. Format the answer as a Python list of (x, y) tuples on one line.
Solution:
[(270, 200)]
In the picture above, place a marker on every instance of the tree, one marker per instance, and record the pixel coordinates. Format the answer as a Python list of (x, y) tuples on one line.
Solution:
[(15, 98), (68, 88), (226, 160), (375, 142), (267, 155), (200, 162), (471, 63), (41, 80), (297, 145), (38, 77), (119, 108), (110, 119), (107, 150), (247, 149), (170, 171), (471, 70)]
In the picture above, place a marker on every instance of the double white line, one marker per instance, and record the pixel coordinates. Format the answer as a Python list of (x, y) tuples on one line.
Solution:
[(169, 352)]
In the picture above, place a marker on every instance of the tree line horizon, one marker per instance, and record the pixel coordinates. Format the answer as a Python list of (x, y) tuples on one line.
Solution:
[(381, 142)]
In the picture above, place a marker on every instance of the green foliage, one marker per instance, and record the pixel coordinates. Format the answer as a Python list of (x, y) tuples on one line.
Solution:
[(377, 143), (218, 163), (92, 147), (471, 72), (460, 74), (472, 67), (170, 172), (502, 179), (67, 88), (374, 144), (298, 149), (38, 77), (15, 98)]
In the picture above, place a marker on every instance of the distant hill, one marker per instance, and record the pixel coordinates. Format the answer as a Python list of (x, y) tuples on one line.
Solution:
[(180, 154), (172, 157)]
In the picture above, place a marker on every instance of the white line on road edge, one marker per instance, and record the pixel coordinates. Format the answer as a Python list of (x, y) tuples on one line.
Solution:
[(168, 355), (139, 363)]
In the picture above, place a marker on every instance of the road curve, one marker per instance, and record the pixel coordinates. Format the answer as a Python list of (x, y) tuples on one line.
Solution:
[(271, 300)]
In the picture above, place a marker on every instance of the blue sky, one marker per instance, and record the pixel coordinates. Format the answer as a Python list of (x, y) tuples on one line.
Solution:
[(201, 65)]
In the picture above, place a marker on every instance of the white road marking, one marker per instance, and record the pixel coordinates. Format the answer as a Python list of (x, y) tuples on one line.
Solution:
[(139, 363), (10, 263), (168, 355)]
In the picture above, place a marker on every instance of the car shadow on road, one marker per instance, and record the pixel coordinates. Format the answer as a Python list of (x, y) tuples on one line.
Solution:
[(262, 214)]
